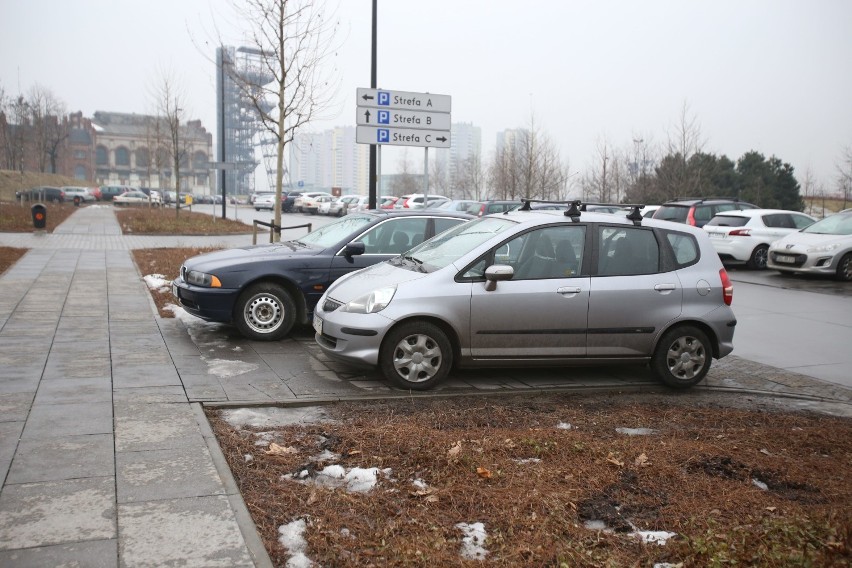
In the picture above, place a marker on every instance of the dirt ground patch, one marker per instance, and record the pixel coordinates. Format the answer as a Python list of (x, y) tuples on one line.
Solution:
[(554, 480)]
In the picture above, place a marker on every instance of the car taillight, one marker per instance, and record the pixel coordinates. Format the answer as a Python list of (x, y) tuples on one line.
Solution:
[(740, 232), (727, 287), (690, 217)]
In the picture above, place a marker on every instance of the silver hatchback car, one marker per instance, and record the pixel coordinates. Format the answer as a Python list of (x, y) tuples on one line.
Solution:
[(537, 287)]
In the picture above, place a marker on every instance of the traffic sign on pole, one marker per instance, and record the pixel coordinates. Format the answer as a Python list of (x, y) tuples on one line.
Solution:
[(403, 100), (402, 137), (367, 116)]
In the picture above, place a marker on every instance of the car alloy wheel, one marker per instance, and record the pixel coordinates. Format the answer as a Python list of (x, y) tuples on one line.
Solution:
[(759, 256), (265, 312), (683, 356), (416, 355)]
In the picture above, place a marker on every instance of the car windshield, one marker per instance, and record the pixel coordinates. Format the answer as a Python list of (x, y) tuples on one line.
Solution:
[(832, 225), (727, 221), (333, 233), (447, 247)]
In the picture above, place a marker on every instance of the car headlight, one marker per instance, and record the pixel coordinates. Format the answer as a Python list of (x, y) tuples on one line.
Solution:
[(824, 248), (201, 279), (375, 301)]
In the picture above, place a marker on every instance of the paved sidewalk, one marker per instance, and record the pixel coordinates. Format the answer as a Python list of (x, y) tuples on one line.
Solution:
[(105, 454)]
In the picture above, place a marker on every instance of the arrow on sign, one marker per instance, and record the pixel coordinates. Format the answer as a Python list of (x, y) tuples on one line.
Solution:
[(367, 116), (442, 139), (367, 97)]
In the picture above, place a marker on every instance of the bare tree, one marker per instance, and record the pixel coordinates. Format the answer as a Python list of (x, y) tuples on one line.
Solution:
[(684, 141), (170, 103), (439, 177), (844, 175), (292, 87), (528, 166), (469, 177), (17, 119)]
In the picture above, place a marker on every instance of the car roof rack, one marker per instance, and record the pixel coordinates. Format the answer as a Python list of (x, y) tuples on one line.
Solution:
[(706, 198)]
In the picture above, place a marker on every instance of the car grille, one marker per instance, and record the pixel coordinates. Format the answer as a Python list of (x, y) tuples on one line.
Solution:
[(330, 305), (798, 259)]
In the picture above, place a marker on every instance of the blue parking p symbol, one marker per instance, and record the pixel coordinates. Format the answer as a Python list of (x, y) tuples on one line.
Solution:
[(384, 98), (382, 135), (384, 117)]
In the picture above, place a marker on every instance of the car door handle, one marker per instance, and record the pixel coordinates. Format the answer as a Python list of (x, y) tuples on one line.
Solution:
[(665, 287), (568, 291)]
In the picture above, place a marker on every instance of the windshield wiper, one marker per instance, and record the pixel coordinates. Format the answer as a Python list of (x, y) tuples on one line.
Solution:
[(417, 262)]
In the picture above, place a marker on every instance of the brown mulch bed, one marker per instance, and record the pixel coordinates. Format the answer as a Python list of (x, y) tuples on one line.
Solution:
[(166, 221), (166, 262), (18, 218), (554, 482), (9, 256)]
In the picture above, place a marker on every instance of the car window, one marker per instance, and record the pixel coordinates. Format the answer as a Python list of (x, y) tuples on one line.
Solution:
[(549, 252), (800, 221), (684, 246), (442, 224), (778, 221), (335, 232), (674, 213), (727, 221), (627, 250), (394, 235)]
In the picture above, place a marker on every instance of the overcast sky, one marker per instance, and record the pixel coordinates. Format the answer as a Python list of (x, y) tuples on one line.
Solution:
[(766, 75)]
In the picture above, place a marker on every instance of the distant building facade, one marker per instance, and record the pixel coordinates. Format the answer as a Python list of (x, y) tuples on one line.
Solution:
[(132, 149)]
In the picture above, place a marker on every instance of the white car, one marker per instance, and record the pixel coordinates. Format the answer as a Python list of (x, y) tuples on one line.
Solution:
[(321, 204), (305, 201), (419, 200), (264, 201), (745, 235), (130, 198), (822, 248), (340, 206), (74, 192)]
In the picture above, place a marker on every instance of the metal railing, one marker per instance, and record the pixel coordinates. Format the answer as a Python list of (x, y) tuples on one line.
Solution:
[(273, 228)]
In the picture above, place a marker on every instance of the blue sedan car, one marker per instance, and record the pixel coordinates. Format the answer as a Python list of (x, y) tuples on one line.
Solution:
[(264, 290)]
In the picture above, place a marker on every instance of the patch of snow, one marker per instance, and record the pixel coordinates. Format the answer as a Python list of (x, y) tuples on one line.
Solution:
[(419, 484), (473, 542), (758, 483), (224, 368), (261, 417), (248, 457), (290, 537), (595, 525), (157, 282), (528, 460), (564, 426), (325, 456), (355, 480), (660, 537), (636, 431)]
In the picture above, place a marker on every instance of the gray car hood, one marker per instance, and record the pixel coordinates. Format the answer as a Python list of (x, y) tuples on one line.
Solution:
[(369, 279)]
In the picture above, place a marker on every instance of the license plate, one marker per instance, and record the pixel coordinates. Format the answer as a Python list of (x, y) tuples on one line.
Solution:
[(318, 324), (785, 259), (717, 235)]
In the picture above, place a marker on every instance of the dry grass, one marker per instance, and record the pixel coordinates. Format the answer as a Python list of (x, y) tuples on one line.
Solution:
[(17, 218), (165, 221), (535, 486), (9, 256)]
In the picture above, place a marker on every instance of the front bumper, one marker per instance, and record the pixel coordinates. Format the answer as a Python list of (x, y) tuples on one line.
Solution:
[(210, 304), (352, 338), (803, 263)]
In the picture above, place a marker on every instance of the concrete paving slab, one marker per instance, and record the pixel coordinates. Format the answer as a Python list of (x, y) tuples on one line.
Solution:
[(166, 474), (149, 395), (75, 390), (15, 406), (140, 427), (45, 421), (139, 374), (157, 533), (10, 434), (91, 554), (57, 512), (79, 457)]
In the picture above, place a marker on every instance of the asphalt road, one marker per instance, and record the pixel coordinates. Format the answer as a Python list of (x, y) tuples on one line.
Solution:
[(801, 324)]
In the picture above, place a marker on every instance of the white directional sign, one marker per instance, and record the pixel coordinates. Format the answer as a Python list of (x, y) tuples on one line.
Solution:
[(403, 100), (403, 118), (402, 137), (367, 116)]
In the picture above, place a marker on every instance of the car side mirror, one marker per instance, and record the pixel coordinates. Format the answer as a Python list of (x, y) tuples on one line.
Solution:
[(495, 273), (354, 249)]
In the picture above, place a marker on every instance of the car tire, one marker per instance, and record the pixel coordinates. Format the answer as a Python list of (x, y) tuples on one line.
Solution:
[(758, 258), (416, 355), (265, 312), (683, 356), (844, 268)]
